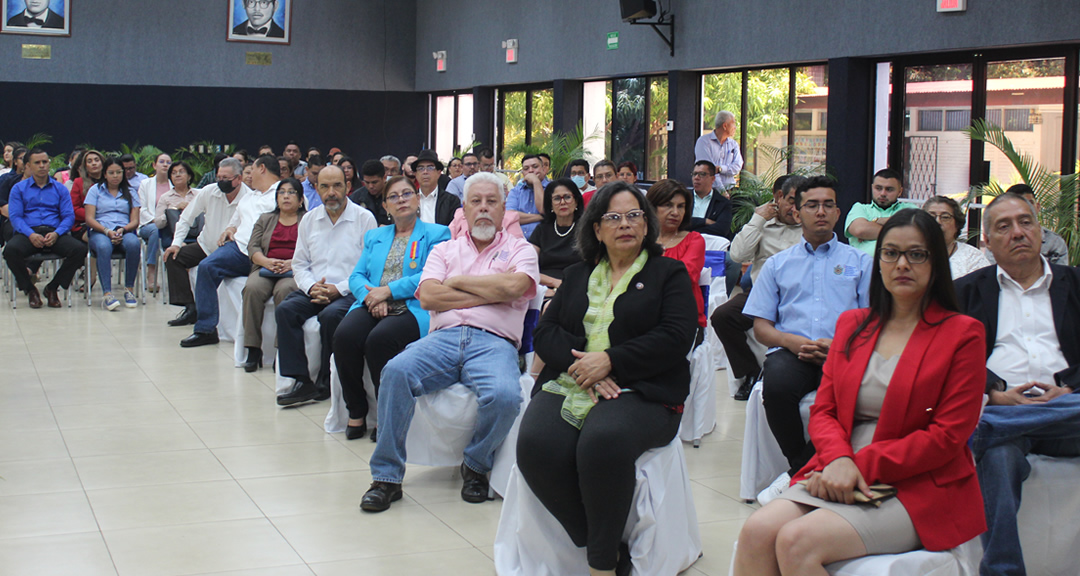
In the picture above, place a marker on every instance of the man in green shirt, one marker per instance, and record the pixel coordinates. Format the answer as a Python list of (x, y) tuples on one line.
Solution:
[(864, 221)]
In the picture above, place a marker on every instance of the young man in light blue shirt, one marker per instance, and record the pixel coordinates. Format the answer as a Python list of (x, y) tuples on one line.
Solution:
[(795, 303)]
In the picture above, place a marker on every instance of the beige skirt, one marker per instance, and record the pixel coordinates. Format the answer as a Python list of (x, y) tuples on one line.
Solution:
[(886, 529)]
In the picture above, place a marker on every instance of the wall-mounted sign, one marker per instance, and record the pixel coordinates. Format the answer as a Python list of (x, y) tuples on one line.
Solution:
[(951, 5), (37, 51), (612, 40), (258, 58)]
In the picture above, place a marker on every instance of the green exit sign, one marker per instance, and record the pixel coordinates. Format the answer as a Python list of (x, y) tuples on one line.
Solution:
[(612, 40)]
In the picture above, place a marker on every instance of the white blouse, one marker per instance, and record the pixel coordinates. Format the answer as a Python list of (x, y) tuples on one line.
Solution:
[(966, 260)]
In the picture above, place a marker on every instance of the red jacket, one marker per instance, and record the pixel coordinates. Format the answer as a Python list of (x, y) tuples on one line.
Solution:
[(931, 409)]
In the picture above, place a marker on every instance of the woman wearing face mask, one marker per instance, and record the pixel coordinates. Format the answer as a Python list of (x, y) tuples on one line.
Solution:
[(112, 217)]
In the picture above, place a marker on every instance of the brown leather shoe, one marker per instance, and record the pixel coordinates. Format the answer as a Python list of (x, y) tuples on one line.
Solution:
[(52, 297), (35, 297)]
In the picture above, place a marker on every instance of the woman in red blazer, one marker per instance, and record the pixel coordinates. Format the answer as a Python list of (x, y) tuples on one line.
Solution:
[(900, 396)]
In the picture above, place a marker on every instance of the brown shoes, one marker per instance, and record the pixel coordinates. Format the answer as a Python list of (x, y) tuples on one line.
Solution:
[(35, 297), (52, 297)]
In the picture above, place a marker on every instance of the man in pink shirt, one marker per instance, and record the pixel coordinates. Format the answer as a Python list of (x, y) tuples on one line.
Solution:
[(477, 287)]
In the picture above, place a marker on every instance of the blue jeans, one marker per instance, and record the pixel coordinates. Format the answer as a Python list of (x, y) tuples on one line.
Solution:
[(150, 234), (226, 262), (103, 248), (1003, 439), (483, 362)]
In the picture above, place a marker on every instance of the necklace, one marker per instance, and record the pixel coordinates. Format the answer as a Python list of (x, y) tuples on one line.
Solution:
[(563, 234), (664, 243)]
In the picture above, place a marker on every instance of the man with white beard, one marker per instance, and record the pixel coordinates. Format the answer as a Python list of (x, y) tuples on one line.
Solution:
[(477, 287)]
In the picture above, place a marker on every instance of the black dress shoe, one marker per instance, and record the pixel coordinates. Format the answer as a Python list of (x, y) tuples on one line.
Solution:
[(322, 393), (743, 393), (254, 359), (374, 431), (474, 487), (354, 432), (187, 316), (199, 339), (302, 391), (379, 496)]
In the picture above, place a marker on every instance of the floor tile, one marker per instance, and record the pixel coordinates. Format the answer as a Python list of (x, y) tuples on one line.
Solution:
[(171, 504), (27, 419), (45, 514), (83, 554), (326, 493), (476, 523), (130, 439), (283, 459), (38, 477), (121, 413), (466, 561), (31, 445), (100, 472), (226, 433)]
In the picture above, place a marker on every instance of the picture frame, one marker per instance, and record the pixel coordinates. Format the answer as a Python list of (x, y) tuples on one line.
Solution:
[(36, 17), (260, 21)]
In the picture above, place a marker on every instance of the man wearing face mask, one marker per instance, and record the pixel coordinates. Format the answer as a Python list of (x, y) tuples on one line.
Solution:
[(579, 173), (218, 202)]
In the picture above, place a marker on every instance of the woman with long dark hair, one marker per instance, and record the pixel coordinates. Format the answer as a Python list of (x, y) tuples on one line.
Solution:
[(352, 175), (900, 395), (554, 237), (112, 219), (89, 170)]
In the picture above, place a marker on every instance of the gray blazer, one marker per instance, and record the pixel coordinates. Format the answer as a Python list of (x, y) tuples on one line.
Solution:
[(264, 229)]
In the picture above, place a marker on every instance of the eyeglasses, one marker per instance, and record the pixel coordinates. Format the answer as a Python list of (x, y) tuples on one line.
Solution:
[(701, 175), (565, 199), (632, 217), (403, 197), (471, 164), (943, 217), (814, 205), (259, 3), (288, 192), (425, 168), (914, 256)]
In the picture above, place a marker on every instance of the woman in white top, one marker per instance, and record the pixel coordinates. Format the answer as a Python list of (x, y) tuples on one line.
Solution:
[(963, 257), (150, 190)]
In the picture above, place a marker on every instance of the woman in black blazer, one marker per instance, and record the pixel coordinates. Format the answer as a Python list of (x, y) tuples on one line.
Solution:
[(615, 340)]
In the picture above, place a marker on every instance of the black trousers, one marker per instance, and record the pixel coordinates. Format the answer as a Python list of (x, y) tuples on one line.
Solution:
[(731, 325), (179, 282), (784, 383), (291, 315), (19, 248), (586, 477), (360, 337)]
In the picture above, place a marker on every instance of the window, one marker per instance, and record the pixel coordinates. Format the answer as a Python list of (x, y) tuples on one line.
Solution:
[(1028, 99), (956, 120), (936, 161), (930, 120), (526, 117), (804, 120), (452, 125), (1018, 120), (625, 120)]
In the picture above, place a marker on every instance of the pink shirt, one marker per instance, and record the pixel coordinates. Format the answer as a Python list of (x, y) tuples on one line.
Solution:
[(459, 257)]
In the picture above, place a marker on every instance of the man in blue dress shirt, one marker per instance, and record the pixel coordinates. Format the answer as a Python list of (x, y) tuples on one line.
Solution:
[(529, 193), (41, 215), (720, 148), (795, 303)]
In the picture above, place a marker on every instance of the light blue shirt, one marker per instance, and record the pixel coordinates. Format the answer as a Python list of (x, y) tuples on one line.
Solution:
[(136, 180), (803, 291), (312, 196), (701, 205), (457, 187), (521, 198), (726, 157), (110, 211)]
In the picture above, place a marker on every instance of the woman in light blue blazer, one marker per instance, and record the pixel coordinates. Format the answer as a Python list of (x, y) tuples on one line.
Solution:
[(387, 316)]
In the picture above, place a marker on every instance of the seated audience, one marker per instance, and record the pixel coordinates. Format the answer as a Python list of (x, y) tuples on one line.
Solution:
[(370, 195), (392, 165), (386, 316), (41, 216), (1053, 248), (470, 164), (963, 257), (911, 349), (112, 220), (437, 206), (528, 194), (628, 173), (242, 156), (216, 203), (579, 173), (8, 181), (246, 175), (297, 167), (771, 229), (615, 340), (90, 167), (864, 221), (171, 204), (283, 166), (352, 175), (150, 191), (328, 245), (545, 164), (554, 238), (211, 175), (1030, 309), (232, 260), (672, 202), (603, 172), (131, 173), (454, 167), (477, 288), (272, 244), (795, 302), (311, 182), (712, 209)]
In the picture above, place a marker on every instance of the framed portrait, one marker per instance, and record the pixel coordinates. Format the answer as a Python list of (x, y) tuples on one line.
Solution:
[(36, 17), (266, 21)]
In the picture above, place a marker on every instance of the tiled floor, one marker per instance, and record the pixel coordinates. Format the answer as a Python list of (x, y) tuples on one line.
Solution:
[(121, 453)]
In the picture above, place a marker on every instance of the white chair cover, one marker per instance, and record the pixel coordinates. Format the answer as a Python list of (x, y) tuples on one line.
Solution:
[(699, 411), (230, 307), (758, 349), (337, 418), (1050, 506), (955, 562), (269, 335), (661, 529), (312, 347), (762, 460), (717, 296)]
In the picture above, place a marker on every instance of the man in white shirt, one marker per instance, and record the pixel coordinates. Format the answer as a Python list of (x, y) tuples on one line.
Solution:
[(218, 202), (1031, 311), (231, 259), (328, 246), (436, 206)]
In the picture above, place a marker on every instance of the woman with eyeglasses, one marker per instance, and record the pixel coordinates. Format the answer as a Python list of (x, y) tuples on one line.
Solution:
[(352, 175), (112, 221), (554, 237), (674, 208), (273, 241), (386, 317), (614, 340), (900, 396), (454, 167), (963, 257)]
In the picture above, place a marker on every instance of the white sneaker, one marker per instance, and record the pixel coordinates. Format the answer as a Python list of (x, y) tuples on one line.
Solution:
[(779, 485)]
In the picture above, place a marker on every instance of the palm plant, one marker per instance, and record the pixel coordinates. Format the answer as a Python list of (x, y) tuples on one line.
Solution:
[(563, 149), (756, 189), (144, 156), (1056, 193)]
